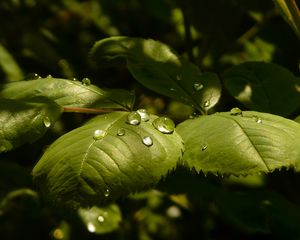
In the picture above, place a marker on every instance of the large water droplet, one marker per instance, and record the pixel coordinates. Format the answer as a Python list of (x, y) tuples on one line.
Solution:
[(91, 227), (47, 122), (144, 114), (86, 81), (236, 112), (206, 103), (147, 141), (106, 192), (198, 86), (98, 134), (121, 132), (100, 219), (164, 124), (134, 118)]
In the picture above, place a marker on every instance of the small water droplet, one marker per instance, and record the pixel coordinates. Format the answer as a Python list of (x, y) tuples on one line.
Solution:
[(121, 132), (134, 118), (173, 212), (49, 76), (106, 192), (144, 114), (198, 86), (86, 81), (236, 112), (164, 124), (147, 141), (204, 147), (100, 219), (172, 89), (257, 119), (178, 77), (36, 76), (206, 103), (47, 122), (98, 134), (91, 227)]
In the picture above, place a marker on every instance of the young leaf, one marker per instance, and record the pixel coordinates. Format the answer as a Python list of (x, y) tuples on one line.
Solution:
[(264, 87), (159, 68), (101, 220), (110, 156), (69, 93), (25, 121), (240, 144)]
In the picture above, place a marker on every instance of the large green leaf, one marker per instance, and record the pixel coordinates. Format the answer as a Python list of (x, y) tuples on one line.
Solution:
[(101, 220), (25, 121), (159, 68), (264, 87), (69, 93), (240, 143), (106, 158)]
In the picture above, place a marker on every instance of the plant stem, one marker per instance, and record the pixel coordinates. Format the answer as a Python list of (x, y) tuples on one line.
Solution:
[(90, 110)]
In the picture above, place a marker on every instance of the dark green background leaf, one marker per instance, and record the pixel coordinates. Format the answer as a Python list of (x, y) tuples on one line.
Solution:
[(69, 93), (104, 159), (159, 68), (264, 87), (25, 121), (240, 144)]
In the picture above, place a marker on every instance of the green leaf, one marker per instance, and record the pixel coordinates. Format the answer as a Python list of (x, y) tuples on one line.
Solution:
[(159, 68), (69, 93), (106, 158), (264, 87), (101, 220), (9, 66), (240, 144), (25, 121)]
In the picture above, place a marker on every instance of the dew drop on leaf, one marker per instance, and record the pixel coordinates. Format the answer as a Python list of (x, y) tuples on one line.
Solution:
[(98, 134), (100, 219), (121, 132), (106, 192), (257, 119), (134, 118), (91, 227), (206, 103), (147, 141), (198, 86), (47, 122), (164, 124), (36, 76), (236, 112), (172, 89), (49, 76), (144, 114), (74, 79), (86, 81)]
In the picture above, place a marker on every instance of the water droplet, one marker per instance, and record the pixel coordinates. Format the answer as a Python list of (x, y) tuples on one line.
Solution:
[(257, 119), (98, 134), (106, 192), (36, 76), (178, 77), (49, 76), (58, 233), (147, 141), (204, 147), (144, 114), (121, 132), (206, 103), (198, 86), (74, 79), (164, 124), (47, 122), (100, 219), (134, 118), (172, 89), (236, 112), (91, 227), (173, 212), (86, 81)]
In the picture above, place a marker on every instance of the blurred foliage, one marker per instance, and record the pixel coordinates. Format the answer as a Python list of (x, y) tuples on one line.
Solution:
[(55, 37)]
